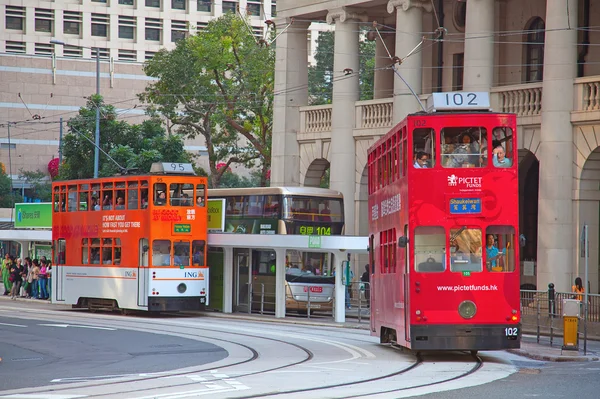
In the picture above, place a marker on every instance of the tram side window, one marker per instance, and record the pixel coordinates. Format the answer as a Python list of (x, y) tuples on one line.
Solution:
[(72, 199), (198, 252), (85, 251), (160, 194), (117, 251), (84, 201), (132, 195), (465, 250), (60, 252), (429, 245), (95, 251), (107, 251), (499, 249), (423, 148), (181, 253), (502, 147), (144, 194), (181, 194), (200, 195), (107, 196), (161, 253), (464, 147)]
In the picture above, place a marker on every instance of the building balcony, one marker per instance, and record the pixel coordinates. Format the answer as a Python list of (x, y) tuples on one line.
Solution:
[(375, 117)]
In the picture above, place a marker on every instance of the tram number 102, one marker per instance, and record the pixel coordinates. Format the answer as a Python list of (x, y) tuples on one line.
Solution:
[(461, 99), (511, 331)]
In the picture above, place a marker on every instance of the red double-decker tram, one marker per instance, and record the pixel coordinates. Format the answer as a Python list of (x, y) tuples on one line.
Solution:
[(443, 227)]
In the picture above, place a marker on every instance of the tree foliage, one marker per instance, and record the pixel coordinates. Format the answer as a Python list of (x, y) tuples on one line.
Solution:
[(131, 146), (320, 75), (218, 84), (40, 185), (6, 197)]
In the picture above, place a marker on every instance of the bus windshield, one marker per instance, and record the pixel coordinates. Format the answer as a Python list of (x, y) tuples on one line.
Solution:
[(296, 275), (313, 209)]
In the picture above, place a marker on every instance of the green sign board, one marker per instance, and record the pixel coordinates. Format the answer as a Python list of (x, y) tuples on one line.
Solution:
[(33, 215), (466, 273), (216, 214), (314, 241), (182, 228)]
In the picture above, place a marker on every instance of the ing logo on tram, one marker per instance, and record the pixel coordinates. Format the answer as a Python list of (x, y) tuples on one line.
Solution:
[(190, 275)]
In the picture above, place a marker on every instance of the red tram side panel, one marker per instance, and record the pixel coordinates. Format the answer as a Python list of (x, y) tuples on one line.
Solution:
[(444, 232)]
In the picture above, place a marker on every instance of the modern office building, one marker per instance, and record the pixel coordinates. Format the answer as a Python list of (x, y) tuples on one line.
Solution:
[(536, 58), (41, 82)]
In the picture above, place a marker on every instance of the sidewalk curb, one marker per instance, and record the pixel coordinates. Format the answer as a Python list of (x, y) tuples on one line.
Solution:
[(551, 358)]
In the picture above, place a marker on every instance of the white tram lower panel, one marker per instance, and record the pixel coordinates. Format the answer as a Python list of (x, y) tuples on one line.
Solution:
[(133, 288)]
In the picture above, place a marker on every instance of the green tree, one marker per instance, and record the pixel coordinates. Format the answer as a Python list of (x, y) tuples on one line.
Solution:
[(40, 185), (131, 146), (6, 197), (218, 84), (320, 76)]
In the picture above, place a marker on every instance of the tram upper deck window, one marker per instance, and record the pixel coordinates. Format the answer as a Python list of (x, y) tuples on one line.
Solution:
[(423, 148), (502, 147), (429, 249), (499, 249), (465, 250), (182, 194), (160, 194), (464, 147), (200, 195)]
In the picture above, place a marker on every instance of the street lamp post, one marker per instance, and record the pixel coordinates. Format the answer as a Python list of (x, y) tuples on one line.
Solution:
[(97, 134)]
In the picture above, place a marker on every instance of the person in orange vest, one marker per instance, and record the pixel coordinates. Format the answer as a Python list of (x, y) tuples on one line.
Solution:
[(578, 289)]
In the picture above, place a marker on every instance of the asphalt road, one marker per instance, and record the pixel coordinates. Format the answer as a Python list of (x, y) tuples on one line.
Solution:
[(38, 352)]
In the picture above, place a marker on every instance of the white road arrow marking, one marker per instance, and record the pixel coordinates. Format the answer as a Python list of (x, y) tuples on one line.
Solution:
[(69, 325)]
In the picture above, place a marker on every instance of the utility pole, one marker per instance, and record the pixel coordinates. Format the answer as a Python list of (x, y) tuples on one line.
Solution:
[(60, 139), (97, 135)]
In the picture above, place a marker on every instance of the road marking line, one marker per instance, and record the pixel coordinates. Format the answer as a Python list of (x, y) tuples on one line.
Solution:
[(42, 396), (12, 325)]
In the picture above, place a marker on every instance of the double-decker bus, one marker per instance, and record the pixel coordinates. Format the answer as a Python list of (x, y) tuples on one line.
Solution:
[(132, 242), (443, 228), (283, 210)]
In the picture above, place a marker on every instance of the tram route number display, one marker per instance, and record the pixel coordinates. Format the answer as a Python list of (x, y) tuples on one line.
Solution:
[(511, 331)]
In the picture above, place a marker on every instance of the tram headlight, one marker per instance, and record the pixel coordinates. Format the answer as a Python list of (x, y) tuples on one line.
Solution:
[(467, 309), (181, 288)]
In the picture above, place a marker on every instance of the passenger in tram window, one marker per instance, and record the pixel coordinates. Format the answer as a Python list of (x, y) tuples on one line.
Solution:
[(499, 158), (421, 161), (120, 203), (161, 198), (95, 206), (492, 254), (95, 255)]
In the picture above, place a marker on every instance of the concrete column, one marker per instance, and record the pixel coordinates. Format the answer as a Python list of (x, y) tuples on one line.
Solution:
[(555, 215), (409, 28), (228, 280), (345, 95), (586, 211), (340, 289), (383, 85), (291, 93), (479, 46), (280, 283)]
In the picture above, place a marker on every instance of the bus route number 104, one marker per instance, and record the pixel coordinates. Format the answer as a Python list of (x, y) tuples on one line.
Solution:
[(511, 331)]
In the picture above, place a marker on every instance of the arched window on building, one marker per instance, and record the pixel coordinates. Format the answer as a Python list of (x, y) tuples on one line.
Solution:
[(534, 51)]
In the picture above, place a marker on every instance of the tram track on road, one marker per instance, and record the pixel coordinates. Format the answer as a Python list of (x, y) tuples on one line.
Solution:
[(183, 330)]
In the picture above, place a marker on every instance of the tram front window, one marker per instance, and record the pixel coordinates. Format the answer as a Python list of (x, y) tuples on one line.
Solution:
[(464, 147), (429, 249), (465, 250)]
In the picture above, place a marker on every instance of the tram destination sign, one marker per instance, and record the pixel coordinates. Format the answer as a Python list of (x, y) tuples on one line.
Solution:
[(465, 206), (458, 100)]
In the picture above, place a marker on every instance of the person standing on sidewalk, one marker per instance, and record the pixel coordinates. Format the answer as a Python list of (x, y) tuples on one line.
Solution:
[(365, 280), (6, 265)]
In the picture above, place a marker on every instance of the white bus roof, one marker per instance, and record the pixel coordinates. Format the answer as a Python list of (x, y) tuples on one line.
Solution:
[(300, 191)]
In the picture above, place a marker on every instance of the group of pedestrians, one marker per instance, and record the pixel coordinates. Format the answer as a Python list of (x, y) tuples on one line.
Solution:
[(26, 279)]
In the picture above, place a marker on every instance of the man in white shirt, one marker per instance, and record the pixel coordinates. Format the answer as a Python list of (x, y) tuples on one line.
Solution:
[(421, 161)]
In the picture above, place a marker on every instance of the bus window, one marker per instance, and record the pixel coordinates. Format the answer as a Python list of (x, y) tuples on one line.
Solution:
[(271, 206), (424, 144), (161, 253), (429, 249), (181, 253), (255, 205), (499, 249), (200, 195), (107, 196), (132, 195), (107, 251), (465, 250), (502, 147), (198, 251), (235, 206), (464, 147), (117, 257), (85, 254), (160, 194), (95, 251)]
